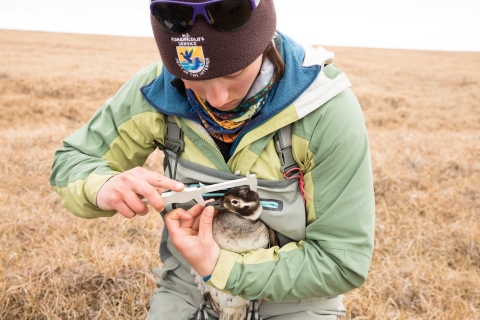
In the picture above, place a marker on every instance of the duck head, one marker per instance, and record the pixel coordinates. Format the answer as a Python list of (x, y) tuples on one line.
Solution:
[(240, 200)]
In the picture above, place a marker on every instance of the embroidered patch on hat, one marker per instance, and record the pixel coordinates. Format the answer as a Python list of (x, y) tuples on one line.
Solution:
[(190, 56), (191, 59)]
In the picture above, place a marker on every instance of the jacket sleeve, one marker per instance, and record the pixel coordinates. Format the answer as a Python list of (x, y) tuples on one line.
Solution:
[(336, 254), (117, 138)]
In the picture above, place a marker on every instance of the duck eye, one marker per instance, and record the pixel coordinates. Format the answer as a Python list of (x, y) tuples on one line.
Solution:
[(234, 202)]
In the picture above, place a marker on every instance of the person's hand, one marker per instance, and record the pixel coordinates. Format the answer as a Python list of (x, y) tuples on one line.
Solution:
[(124, 191), (191, 234)]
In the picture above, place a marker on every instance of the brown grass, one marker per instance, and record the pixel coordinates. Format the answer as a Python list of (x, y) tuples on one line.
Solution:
[(423, 116)]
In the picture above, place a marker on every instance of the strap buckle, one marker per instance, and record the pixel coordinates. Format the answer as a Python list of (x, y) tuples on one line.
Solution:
[(287, 161), (174, 137)]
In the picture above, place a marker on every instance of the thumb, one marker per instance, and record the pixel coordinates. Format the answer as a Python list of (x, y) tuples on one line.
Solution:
[(206, 222)]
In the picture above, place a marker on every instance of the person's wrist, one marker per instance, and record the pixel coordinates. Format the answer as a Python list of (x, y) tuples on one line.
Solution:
[(206, 269)]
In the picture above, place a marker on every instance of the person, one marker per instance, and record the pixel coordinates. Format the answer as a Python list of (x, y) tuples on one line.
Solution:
[(230, 96)]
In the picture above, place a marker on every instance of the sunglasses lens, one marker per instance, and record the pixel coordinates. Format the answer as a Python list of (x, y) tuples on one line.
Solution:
[(173, 18), (229, 15)]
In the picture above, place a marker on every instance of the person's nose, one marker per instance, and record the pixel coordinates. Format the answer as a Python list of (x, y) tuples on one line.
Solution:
[(216, 93)]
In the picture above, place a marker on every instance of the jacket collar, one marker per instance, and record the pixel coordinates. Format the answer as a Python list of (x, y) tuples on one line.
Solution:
[(161, 94)]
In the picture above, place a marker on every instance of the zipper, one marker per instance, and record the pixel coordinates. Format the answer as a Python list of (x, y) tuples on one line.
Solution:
[(213, 145)]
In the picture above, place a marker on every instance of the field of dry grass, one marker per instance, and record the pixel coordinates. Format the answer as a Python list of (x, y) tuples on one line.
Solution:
[(422, 111)]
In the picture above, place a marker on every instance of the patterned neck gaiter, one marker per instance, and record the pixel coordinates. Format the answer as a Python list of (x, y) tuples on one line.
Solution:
[(227, 125)]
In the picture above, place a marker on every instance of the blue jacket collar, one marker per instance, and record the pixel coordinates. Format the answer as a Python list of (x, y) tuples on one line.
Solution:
[(161, 94)]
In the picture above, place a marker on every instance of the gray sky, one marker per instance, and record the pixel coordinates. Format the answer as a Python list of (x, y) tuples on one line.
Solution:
[(406, 24)]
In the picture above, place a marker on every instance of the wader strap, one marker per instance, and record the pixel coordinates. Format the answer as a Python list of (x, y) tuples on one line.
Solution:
[(283, 145), (173, 141), (174, 136)]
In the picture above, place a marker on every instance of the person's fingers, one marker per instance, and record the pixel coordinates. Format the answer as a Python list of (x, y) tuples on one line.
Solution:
[(160, 181), (150, 185), (173, 220), (205, 224), (144, 212), (197, 221), (125, 210), (133, 200), (143, 182), (149, 192), (191, 216), (196, 224)]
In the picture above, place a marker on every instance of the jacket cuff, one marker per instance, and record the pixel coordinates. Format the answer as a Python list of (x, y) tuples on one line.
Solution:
[(93, 184), (224, 267)]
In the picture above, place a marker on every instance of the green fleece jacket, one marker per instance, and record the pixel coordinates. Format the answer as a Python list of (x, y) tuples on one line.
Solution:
[(329, 143)]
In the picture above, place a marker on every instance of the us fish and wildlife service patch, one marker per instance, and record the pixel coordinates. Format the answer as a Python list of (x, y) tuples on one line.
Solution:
[(191, 58)]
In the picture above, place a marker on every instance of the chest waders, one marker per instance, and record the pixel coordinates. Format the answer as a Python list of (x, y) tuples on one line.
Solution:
[(283, 211)]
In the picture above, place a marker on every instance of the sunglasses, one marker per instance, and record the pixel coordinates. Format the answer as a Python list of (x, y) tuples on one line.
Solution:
[(222, 15)]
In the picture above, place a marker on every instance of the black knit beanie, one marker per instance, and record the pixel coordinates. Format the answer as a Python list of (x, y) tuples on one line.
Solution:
[(219, 53)]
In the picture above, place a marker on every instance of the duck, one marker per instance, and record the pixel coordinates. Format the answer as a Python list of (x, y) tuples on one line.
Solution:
[(236, 227)]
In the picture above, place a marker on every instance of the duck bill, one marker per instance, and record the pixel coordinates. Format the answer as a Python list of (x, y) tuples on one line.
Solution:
[(218, 205)]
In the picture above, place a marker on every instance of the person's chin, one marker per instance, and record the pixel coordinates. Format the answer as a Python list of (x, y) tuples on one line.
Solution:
[(228, 106)]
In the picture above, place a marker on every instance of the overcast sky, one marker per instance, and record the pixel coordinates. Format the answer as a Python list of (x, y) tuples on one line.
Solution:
[(405, 24)]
